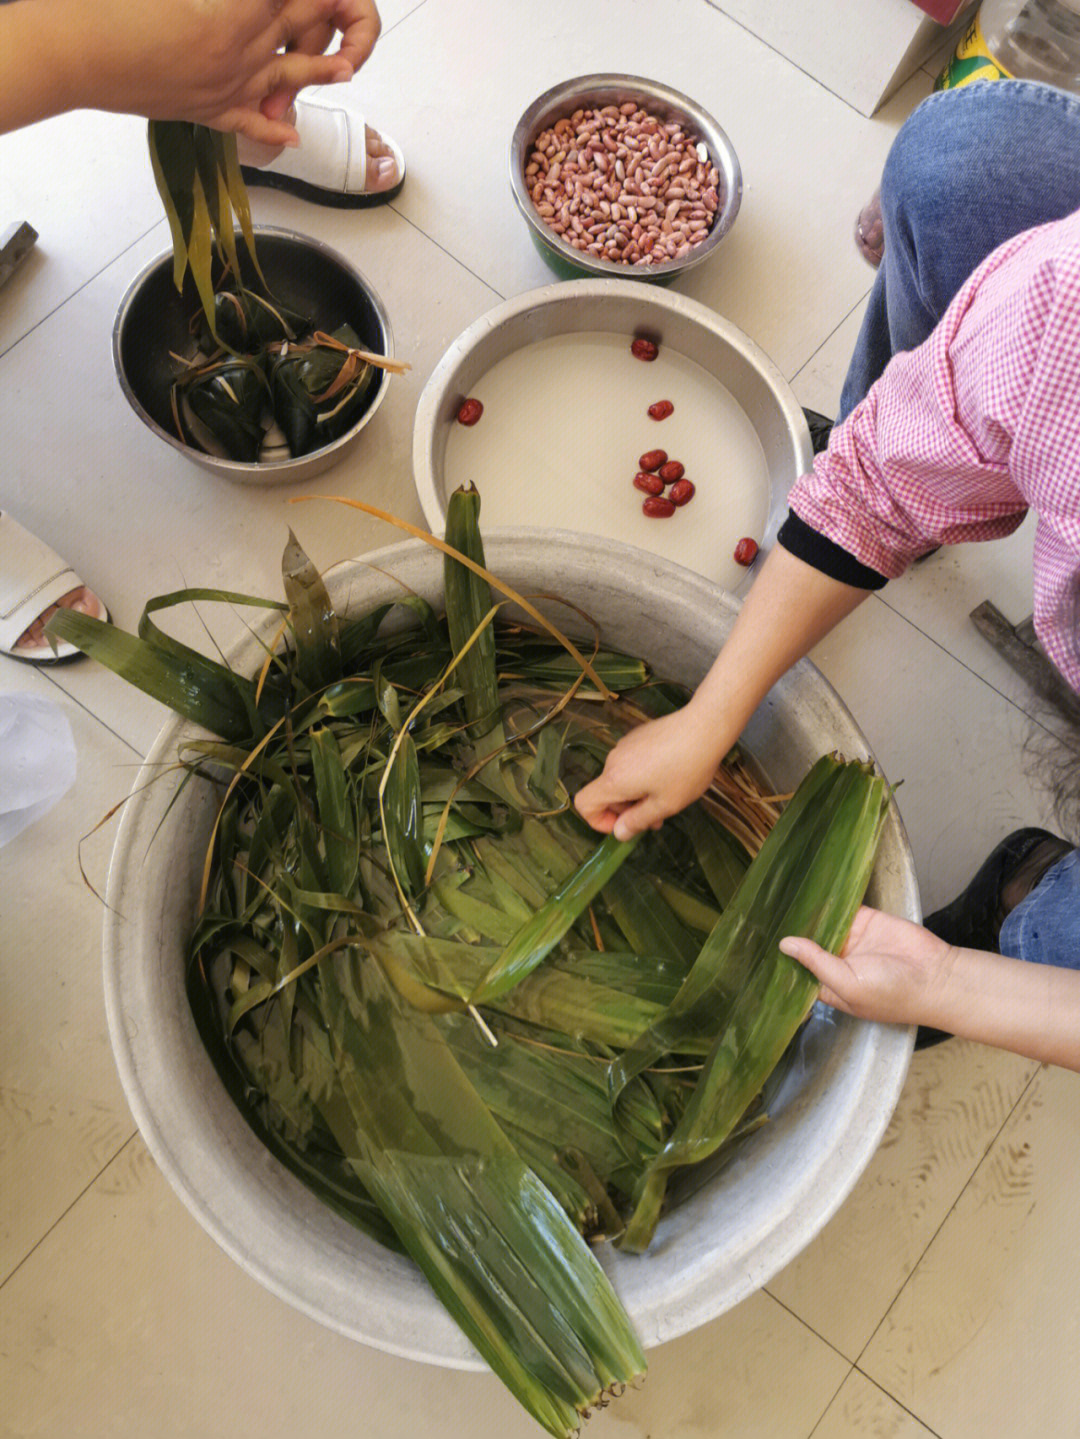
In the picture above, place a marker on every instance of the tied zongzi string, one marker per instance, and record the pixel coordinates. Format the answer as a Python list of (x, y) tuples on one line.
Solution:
[(354, 360)]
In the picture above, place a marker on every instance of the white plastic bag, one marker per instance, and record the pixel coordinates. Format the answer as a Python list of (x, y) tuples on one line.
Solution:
[(37, 760)]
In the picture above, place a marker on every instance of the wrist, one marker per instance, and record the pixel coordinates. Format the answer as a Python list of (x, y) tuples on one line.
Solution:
[(707, 730)]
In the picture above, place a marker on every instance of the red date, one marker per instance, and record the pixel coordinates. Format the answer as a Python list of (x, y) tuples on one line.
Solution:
[(644, 349), (658, 508), (652, 459), (746, 551), (470, 412), (681, 492), (651, 484), (671, 471), (661, 410)]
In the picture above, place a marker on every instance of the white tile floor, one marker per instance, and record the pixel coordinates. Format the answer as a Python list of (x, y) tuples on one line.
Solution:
[(941, 1299)]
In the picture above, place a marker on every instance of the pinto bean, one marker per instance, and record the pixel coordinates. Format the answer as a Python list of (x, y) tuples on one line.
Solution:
[(647, 183)]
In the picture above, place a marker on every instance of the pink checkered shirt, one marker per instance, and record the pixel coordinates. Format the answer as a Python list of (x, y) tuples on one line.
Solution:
[(959, 438)]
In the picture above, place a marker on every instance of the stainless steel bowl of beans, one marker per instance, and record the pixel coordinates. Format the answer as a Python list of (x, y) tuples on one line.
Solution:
[(617, 175)]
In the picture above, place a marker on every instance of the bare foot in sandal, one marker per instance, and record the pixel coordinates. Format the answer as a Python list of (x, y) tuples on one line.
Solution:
[(340, 160), (34, 583), (80, 599)]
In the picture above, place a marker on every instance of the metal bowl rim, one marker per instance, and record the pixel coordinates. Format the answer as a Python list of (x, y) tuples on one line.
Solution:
[(269, 470), (649, 89), (563, 292), (892, 1044)]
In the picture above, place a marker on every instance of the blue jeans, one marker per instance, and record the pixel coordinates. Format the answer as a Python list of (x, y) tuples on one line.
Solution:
[(1045, 926), (968, 170)]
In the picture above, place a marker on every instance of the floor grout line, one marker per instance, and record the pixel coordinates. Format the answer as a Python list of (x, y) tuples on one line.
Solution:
[(807, 1325), (64, 1214), (448, 253), (401, 20), (715, 5), (856, 1364), (1015, 704), (80, 288), (835, 329), (862, 1372), (140, 755), (944, 1220), (832, 1400)]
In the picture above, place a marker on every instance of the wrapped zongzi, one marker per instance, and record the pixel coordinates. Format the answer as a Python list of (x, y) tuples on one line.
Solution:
[(227, 398), (320, 387)]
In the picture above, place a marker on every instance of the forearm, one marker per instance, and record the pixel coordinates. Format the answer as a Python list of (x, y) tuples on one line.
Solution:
[(209, 62), (790, 607), (37, 71), (1029, 1009)]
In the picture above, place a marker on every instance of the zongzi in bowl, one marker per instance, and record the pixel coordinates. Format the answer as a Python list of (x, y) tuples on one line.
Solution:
[(294, 351)]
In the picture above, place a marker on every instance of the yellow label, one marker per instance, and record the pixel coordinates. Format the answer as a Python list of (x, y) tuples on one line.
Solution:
[(971, 60)]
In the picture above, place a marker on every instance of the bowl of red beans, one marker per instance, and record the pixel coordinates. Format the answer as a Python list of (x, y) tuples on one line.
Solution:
[(616, 175)]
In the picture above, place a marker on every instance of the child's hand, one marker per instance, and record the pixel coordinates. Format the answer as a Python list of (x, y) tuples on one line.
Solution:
[(654, 771), (889, 969)]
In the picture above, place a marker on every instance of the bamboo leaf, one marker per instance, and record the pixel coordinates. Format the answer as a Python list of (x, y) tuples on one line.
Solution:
[(468, 616), (491, 1240), (811, 885), (238, 196), (539, 935), (403, 827), (172, 157), (504, 589), (211, 167), (205, 693), (312, 619), (336, 814)]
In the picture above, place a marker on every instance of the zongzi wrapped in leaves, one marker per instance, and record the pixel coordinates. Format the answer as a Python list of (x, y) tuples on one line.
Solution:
[(246, 322), (227, 398), (320, 387)]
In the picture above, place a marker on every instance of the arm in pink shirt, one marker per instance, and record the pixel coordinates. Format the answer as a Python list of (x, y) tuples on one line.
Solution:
[(960, 436)]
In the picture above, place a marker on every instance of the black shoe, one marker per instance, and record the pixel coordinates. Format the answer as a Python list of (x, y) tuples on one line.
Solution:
[(974, 919), (820, 430)]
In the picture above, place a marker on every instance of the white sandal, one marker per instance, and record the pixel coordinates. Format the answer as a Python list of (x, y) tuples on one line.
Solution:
[(329, 166), (32, 577)]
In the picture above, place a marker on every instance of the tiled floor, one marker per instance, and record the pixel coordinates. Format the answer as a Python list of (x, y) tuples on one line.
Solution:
[(941, 1299)]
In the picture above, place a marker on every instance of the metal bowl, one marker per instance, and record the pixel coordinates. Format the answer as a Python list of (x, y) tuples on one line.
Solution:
[(718, 1246), (621, 307), (306, 276), (594, 91)]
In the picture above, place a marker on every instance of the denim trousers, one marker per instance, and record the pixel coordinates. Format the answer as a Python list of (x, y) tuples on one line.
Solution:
[(1045, 926), (969, 169)]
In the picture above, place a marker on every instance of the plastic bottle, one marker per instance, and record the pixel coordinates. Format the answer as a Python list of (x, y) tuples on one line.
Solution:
[(1019, 39)]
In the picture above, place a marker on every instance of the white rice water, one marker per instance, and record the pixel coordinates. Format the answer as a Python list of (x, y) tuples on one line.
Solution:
[(565, 422)]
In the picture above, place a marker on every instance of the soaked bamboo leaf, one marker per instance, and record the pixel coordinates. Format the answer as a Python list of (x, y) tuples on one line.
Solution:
[(812, 885), (336, 813), (468, 610), (373, 868), (539, 935), (312, 619), (493, 1243), (403, 817), (203, 692)]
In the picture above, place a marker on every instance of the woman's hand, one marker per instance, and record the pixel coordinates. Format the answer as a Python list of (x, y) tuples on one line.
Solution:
[(889, 969), (899, 973), (654, 771), (231, 64)]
